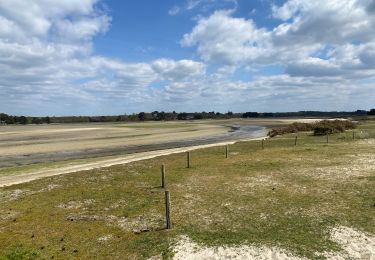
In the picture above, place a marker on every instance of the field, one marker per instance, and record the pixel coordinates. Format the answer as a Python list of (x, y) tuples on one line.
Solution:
[(313, 200)]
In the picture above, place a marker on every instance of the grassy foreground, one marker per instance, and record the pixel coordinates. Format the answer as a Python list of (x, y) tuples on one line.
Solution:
[(282, 196)]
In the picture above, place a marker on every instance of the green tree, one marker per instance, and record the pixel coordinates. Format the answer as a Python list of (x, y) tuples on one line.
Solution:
[(142, 116), (22, 120)]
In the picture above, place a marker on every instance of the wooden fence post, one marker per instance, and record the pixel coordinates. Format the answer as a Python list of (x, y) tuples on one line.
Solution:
[(295, 140), (226, 151), (188, 159), (327, 139), (353, 135), (163, 183), (168, 209), (262, 143)]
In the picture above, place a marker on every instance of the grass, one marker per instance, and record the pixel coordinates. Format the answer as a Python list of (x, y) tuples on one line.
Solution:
[(285, 195)]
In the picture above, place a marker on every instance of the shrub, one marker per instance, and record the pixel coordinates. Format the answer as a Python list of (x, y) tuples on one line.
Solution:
[(319, 128), (333, 126)]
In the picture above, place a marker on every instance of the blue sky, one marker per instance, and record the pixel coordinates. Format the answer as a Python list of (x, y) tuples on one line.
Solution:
[(93, 57)]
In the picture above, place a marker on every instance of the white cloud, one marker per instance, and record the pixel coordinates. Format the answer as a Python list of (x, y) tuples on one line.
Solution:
[(41, 18), (203, 6), (326, 22), (178, 70), (174, 10), (326, 47), (223, 39), (46, 54), (308, 28)]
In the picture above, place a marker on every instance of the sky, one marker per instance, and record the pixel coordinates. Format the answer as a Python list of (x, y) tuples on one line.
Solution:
[(102, 57)]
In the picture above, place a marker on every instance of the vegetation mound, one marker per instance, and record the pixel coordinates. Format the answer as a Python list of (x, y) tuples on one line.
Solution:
[(323, 127)]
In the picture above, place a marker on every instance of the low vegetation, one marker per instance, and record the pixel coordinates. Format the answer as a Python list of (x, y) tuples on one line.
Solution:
[(171, 116), (283, 195), (323, 127)]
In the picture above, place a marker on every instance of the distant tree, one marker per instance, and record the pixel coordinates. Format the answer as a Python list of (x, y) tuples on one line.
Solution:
[(267, 114), (4, 117), (182, 116), (361, 112), (371, 112), (198, 116), (133, 117), (142, 116), (155, 115), (22, 120), (36, 120), (10, 120), (161, 115), (170, 116), (119, 118), (250, 114)]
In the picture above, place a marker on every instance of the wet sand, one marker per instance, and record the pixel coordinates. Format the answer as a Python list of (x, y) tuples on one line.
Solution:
[(23, 145), (38, 144)]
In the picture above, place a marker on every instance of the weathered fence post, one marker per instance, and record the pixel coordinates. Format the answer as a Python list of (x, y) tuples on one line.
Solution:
[(226, 151), (295, 140), (188, 159), (168, 209), (262, 143), (163, 183), (327, 139), (353, 135)]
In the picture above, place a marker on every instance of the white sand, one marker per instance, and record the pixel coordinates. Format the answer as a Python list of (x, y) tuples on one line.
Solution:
[(187, 249), (355, 245)]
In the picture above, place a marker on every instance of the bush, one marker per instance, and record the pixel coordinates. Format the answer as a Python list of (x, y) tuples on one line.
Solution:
[(319, 128), (293, 128), (333, 126)]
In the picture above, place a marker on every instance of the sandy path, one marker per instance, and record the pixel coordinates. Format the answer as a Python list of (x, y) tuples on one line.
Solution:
[(30, 176)]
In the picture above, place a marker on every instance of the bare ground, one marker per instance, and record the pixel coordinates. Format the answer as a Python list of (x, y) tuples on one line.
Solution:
[(30, 176), (355, 245)]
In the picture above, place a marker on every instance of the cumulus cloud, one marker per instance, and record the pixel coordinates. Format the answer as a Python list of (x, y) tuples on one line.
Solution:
[(43, 18), (224, 39), (178, 70), (46, 55), (306, 29), (47, 62)]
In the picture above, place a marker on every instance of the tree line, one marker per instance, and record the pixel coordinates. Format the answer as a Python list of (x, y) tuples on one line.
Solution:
[(142, 116), (170, 116)]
